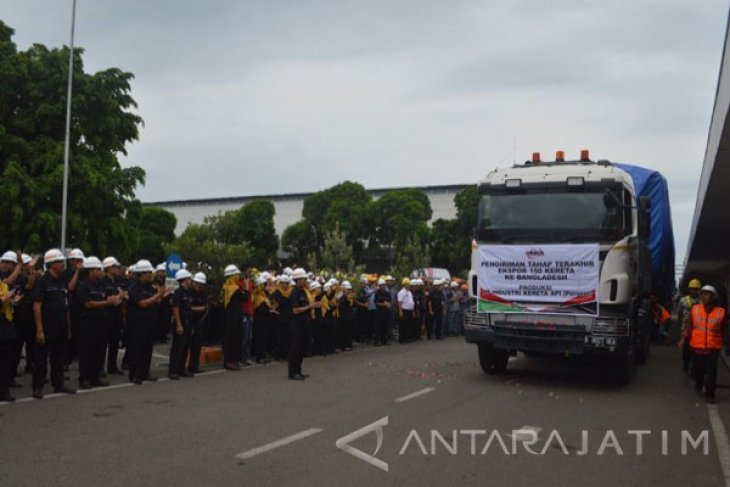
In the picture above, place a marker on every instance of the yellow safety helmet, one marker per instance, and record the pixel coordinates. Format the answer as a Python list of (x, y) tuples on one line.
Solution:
[(406, 282), (695, 284)]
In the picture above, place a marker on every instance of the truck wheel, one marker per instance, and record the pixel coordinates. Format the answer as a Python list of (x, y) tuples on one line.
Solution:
[(492, 361)]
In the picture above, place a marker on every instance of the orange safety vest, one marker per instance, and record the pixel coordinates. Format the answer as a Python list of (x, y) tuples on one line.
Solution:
[(706, 329)]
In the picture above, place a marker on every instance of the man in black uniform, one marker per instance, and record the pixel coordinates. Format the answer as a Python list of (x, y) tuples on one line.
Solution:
[(73, 275), (141, 321), (113, 287), (164, 310), (200, 313), (182, 313), (50, 312), (281, 296), (382, 313), (300, 322), (95, 324)]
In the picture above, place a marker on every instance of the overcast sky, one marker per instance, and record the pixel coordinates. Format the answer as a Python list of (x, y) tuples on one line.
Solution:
[(244, 97)]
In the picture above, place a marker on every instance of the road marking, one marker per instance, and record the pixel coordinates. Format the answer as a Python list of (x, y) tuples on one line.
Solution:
[(105, 388), (415, 394), (276, 444), (526, 433), (721, 441), (160, 356)]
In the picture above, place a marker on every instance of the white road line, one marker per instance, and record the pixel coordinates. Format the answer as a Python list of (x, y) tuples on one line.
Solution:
[(105, 388), (415, 394), (721, 441), (276, 444), (160, 356)]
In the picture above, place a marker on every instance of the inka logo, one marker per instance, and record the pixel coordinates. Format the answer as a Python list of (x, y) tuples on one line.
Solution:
[(344, 443), (534, 253)]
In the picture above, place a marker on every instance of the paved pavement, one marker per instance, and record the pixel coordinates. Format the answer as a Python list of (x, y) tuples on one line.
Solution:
[(256, 427)]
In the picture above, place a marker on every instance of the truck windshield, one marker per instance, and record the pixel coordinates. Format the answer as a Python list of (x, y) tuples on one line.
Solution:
[(553, 216)]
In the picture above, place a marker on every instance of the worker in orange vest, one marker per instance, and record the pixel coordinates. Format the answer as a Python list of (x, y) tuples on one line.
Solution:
[(706, 330)]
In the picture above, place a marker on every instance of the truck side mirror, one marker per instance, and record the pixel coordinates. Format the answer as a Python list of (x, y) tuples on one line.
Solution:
[(644, 218)]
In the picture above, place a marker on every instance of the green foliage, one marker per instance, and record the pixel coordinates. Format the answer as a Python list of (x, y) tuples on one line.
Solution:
[(413, 254), (400, 216), (344, 205), (155, 228), (198, 247), (299, 241), (449, 248), (32, 124), (467, 204), (253, 223), (337, 254)]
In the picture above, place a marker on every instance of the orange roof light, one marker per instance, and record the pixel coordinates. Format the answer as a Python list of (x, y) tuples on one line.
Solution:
[(585, 155), (560, 156), (535, 157)]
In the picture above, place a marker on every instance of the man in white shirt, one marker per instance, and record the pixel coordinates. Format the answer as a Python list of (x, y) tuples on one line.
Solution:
[(406, 307)]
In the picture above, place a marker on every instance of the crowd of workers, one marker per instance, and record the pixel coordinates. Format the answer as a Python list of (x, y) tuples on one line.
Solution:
[(85, 309)]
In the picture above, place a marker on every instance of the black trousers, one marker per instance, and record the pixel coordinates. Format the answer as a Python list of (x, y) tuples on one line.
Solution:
[(686, 355), (261, 334), (25, 333), (347, 328), (381, 327), (298, 336), (406, 330), (704, 371), (93, 337), (6, 358), (196, 344), (282, 338), (55, 348), (232, 341), (180, 348), (141, 336), (115, 336)]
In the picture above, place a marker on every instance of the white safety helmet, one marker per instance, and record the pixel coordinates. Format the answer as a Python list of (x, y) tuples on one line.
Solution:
[(143, 266), (285, 279), (709, 289), (314, 285), (260, 281), (161, 268), (183, 274), (346, 285), (287, 271), (327, 286), (231, 270), (92, 263), (381, 282), (110, 262), (27, 259), (298, 273), (53, 255), (10, 256), (200, 278), (454, 284), (76, 254)]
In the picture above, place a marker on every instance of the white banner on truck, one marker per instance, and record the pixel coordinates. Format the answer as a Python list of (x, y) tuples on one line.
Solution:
[(539, 278)]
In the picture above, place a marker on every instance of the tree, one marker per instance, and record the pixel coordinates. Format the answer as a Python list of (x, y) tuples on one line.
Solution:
[(467, 204), (413, 254), (449, 248), (299, 241), (337, 254), (32, 123), (155, 228), (344, 205), (400, 216), (198, 247), (253, 224)]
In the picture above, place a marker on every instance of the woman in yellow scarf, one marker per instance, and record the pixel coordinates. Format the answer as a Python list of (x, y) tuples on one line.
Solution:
[(7, 340), (233, 300), (262, 319)]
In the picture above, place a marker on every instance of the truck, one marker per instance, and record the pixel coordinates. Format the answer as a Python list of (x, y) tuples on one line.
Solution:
[(567, 257)]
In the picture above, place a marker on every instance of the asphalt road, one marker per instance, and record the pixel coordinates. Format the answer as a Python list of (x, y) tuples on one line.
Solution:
[(256, 427)]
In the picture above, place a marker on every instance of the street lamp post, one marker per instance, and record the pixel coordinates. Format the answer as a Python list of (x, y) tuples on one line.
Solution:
[(67, 142)]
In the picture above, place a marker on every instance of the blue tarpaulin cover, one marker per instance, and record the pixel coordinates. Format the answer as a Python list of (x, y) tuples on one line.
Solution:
[(652, 184)]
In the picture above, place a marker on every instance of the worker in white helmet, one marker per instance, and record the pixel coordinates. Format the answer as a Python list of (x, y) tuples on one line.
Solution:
[(50, 312), (382, 313), (299, 328), (95, 324), (348, 316), (17, 273), (164, 311), (114, 285), (182, 314), (73, 275), (234, 297), (199, 298), (144, 301)]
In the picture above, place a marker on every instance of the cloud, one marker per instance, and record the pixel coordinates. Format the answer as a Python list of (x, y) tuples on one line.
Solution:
[(267, 97)]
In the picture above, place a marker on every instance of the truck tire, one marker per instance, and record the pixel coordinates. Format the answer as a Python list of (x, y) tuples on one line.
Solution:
[(492, 361)]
